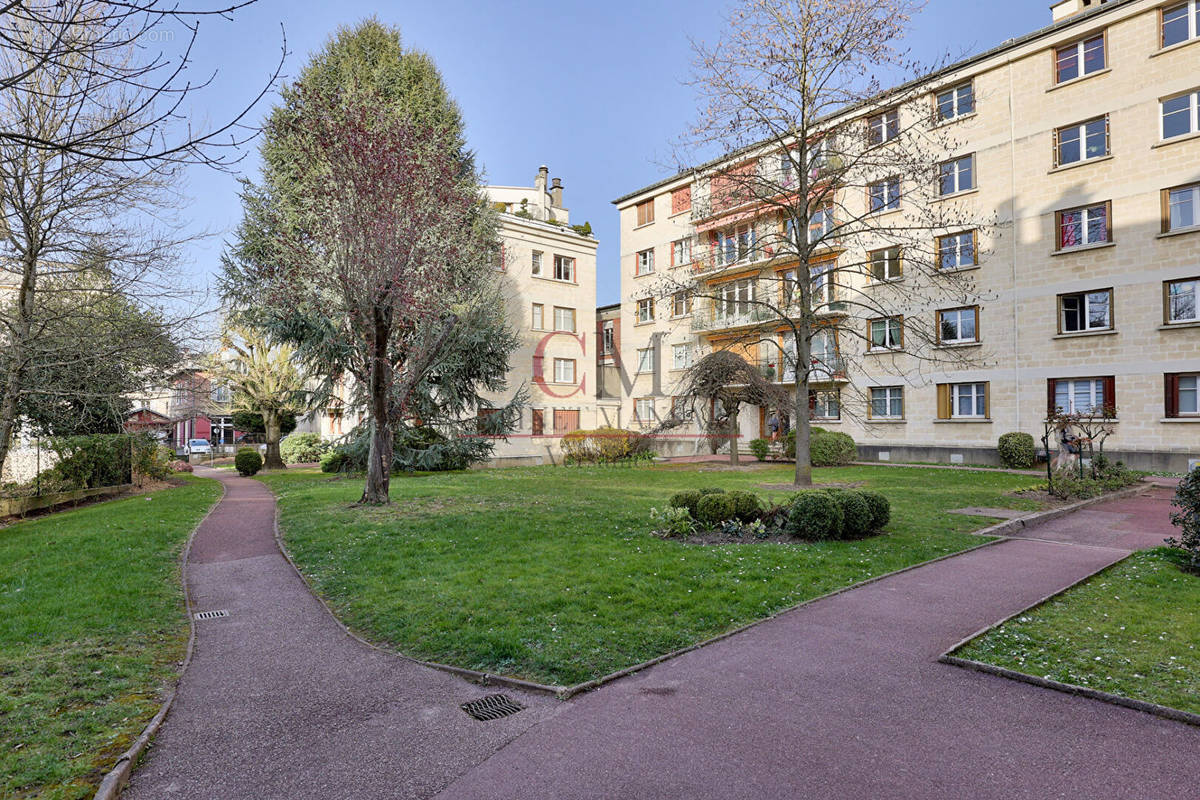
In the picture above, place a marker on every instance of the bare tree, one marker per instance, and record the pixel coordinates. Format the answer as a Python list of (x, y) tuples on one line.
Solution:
[(829, 213)]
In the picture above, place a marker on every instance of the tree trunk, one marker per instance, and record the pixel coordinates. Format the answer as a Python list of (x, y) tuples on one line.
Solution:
[(733, 437), (379, 457), (17, 358), (803, 418), (274, 433)]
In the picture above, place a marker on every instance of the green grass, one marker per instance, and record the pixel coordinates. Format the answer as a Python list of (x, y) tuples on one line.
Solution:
[(1132, 630), (92, 628), (552, 574)]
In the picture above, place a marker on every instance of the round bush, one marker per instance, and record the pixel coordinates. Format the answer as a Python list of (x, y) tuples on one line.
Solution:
[(712, 490), (760, 448), (814, 515), (746, 506), (715, 509), (881, 509), (1017, 450), (334, 461), (688, 500), (856, 514), (832, 449), (247, 461), (302, 448)]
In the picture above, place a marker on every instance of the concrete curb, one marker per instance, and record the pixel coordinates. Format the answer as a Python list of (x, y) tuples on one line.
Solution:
[(117, 778), (1036, 518)]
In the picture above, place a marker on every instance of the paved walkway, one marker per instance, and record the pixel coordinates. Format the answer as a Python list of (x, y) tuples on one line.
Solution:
[(843, 698)]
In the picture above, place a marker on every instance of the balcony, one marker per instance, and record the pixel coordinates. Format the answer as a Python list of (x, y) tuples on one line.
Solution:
[(717, 320), (826, 369)]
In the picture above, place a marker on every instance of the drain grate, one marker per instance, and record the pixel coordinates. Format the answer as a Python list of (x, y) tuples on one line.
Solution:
[(494, 706), (210, 614)]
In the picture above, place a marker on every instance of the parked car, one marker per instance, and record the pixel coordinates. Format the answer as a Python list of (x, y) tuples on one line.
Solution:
[(197, 447)]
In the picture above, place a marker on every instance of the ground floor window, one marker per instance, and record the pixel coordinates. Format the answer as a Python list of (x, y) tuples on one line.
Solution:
[(825, 404), (565, 420), (1183, 394), (643, 410), (1081, 395), (962, 400)]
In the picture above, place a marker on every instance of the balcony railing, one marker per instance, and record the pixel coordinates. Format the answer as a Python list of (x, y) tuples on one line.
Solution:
[(824, 369), (713, 320)]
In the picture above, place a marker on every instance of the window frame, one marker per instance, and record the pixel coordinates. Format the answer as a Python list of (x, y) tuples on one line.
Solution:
[(535, 263), (1108, 392), (941, 250), (1079, 50), (637, 414), (537, 316), (644, 354), (646, 303), (883, 127), (564, 265), (1193, 98), (687, 304), (563, 361), (608, 337), (1081, 129), (1085, 312), (1191, 17), (676, 350), (1167, 320), (891, 394), (643, 262), (1194, 190), (958, 172), (826, 226), (644, 213), (574, 319), (888, 201), (681, 252), (1174, 395), (814, 403), (949, 395), (957, 341), (897, 262), (1086, 226), (953, 91), (884, 348)]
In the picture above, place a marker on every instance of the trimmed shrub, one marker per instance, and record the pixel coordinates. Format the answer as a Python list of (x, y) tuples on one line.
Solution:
[(602, 446), (1187, 518), (760, 448), (831, 448), (714, 509), (334, 461), (814, 515), (689, 500), (247, 461), (303, 448), (746, 506), (711, 490), (1017, 450), (881, 508), (856, 514)]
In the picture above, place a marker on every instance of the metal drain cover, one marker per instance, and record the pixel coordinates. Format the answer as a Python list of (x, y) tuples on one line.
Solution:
[(494, 706), (210, 614)]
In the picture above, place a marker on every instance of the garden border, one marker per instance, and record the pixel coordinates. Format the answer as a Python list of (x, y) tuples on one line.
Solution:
[(1036, 518), (1156, 709), (117, 778)]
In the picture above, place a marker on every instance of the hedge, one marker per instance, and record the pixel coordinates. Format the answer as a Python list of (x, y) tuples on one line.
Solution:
[(1017, 450), (602, 446)]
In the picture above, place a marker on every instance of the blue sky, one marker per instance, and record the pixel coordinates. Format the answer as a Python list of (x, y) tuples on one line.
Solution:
[(593, 90)]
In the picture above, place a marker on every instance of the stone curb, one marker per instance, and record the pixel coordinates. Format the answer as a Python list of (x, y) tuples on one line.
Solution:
[(1008, 527), (117, 778)]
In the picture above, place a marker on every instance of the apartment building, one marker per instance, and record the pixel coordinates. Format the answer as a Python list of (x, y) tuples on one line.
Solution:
[(1082, 140)]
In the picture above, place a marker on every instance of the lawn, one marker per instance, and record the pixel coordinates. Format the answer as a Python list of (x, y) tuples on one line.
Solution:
[(552, 574), (92, 628), (1132, 630)]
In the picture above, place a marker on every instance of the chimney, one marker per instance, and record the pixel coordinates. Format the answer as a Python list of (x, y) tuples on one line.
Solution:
[(1070, 8), (556, 194), (539, 183)]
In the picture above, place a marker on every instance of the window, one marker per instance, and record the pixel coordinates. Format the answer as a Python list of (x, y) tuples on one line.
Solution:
[(820, 224), (645, 361), (821, 285), (1181, 115), (536, 264), (645, 262), (564, 319), (825, 404), (957, 175), (681, 304), (885, 264), (735, 298), (957, 250), (1180, 23), (883, 195), (498, 256), (564, 269), (565, 420), (1182, 394), (643, 410), (538, 321), (1083, 226), (885, 334), (608, 341), (645, 212), (681, 200), (1180, 206), (887, 402), (1079, 58), (681, 356), (221, 394), (787, 287), (645, 310), (1081, 395), (883, 127), (222, 430), (1087, 311), (537, 421), (483, 421), (681, 252), (734, 245), (564, 370), (1181, 299), (1075, 143), (962, 401), (956, 102), (958, 325), (825, 360)]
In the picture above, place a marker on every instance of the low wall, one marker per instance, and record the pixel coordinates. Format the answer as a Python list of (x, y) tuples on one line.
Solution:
[(1148, 460), (19, 506)]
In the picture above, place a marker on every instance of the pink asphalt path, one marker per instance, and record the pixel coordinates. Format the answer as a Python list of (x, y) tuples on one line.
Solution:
[(843, 698)]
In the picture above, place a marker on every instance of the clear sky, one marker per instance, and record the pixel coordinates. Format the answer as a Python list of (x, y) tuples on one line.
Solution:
[(594, 90)]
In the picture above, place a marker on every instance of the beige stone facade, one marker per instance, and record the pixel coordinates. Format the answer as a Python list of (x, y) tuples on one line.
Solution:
[(1112, 239)]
